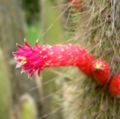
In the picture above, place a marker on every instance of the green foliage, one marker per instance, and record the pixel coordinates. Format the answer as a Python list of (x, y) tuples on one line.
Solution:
[(33, 33), (53, 32), (31, 10)]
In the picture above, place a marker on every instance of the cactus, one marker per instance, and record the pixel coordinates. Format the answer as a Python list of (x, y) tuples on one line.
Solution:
[(51, 26), (5, 91), (27, 107), (72, 24), (71, 95), (98, 29)]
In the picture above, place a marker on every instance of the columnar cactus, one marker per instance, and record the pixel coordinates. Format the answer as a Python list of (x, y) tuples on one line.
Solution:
[(98, 28), (5, 91), (28, 108)]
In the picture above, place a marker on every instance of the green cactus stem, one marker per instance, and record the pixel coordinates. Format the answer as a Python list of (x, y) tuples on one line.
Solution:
[(5, 91), (27, 107)]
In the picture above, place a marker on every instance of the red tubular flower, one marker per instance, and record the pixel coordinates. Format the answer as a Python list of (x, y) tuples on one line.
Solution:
[(77, 4), (36, 58), (101, 71), (114, 87), (84, 62)]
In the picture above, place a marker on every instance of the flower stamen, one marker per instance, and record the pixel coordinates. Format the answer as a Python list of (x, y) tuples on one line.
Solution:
[(98, 66), (23, 60)]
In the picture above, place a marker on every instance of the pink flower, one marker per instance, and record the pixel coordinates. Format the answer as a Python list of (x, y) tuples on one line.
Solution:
[(37, 57)]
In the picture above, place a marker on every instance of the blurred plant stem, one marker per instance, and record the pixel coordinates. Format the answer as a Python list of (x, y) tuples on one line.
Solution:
[(51, 23), (71, 95), (52, 33), (28, 108), (39, 83), (5, 89)]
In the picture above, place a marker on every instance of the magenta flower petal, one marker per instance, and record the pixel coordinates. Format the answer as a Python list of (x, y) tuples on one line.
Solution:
[(37, 57)]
